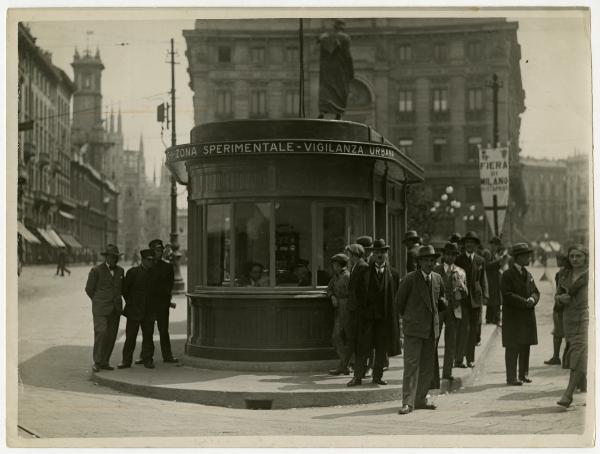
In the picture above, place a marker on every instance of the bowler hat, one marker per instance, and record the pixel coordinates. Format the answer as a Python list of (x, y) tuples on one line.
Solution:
[(342, 259), (356, 249), (451, 248), (380, 244), (147, 254), (411, 235), (111, 249), (496, 240), (365, 241), (455, 237), (427, 251), (470, 236), (520, 248), (155, 243)]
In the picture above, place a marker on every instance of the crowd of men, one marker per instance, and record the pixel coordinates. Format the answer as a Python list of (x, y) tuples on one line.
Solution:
[(381, 314), (146, 289)]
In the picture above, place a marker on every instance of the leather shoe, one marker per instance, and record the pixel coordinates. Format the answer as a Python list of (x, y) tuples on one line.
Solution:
[(149, 365), (354, 382), (470, 364), (565, 402), (96, 367), (123, 366), (107, 367), (378, 381), (553, 362), (461, 365), (525, 379), (426, 406), (170, 360), (449, 378), (139, 361), (514, 383), (405, 410)]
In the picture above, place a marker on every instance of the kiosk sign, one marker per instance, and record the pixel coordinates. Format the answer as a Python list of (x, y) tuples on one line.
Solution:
[(494, 174)]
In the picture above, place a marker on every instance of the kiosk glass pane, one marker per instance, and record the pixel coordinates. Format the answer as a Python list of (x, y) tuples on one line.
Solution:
[(252, 222), (293, 243), (218, 245), (333, 239)]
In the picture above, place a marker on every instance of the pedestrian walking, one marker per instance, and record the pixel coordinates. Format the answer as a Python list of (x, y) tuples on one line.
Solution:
[(470, 325), (337, 290), (103, 287), (420, 297), (412, 242), (572, 294), (519, 328), (454, 279), (137, 288), (562, 262), (378, 327)]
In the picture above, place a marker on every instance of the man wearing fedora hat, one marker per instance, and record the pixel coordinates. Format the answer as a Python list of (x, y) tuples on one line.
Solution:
[(493, 270), (420, 297), (103, 287), (470, 325), (455, 290), (337, 290), (412, 241), (520, 295), (377, 319)]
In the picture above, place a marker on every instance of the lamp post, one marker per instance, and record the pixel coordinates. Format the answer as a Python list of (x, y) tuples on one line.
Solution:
[(106, 201)]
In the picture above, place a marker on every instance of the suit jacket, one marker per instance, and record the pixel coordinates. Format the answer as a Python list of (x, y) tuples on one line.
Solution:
[(476, 278), (163, 277), (455, 287), (519, 326), (365, 310), (355, 292), (419, 313), (104, 289), (137, 287)]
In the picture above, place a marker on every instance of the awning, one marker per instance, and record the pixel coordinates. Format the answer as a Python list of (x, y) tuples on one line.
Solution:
[(71, 241), (26, 234), (66, 215), (56, 238), (47, 238)]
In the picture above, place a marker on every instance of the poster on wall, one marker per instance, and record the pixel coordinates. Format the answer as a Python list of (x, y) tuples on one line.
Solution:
[(494, 176)]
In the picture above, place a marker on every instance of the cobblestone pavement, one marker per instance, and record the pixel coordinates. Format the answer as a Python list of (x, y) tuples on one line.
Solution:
[(57, 398)]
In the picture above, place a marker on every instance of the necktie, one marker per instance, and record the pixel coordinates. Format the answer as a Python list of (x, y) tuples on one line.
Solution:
[(429, 289), (524, 273), (379, 269)]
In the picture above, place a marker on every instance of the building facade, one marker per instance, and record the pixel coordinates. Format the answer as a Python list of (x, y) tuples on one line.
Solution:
[(545, 183), (422, 83), (578, 217)]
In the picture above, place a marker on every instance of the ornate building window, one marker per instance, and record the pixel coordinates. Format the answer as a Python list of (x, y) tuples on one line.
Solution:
[(292, 102), (292, 55), (439, 148), (473, 144), (405, 101), (258, 103), (257, 55), (475, 99), (224, 104), (440, 100), (405, 53), (405, 145), (474, 50), (224, 54), (440, 52)]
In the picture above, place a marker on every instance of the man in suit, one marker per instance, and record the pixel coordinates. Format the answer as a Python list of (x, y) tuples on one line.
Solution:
[(103, 287), (137, 287), (337, 290), (494, 269), (519, 329), (420, 296), (470, 324), (366, 242), (377, 320), (412, 242), (163, 277), (455, 290)]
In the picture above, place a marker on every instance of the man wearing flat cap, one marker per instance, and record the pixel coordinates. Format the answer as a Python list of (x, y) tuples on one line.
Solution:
[(337, 290), (103, 287), (470, 325), (412, 241), (420, 297), (519, 328), (377, 319), (137, 288)]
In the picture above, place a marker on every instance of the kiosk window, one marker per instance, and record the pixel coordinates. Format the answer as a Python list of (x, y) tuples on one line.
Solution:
[(218, 245), (293, 243), (252, 221)]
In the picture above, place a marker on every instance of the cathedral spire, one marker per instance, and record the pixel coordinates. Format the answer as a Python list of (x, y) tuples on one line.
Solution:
[(141, 143), (119, 122), (112, 121)]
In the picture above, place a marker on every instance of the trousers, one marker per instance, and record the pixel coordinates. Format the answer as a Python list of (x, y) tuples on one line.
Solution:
[(131, 332), (105, 335), (512, 355), (371, 336), (162, 322), (418, 369), (469, 330), (449, 321)]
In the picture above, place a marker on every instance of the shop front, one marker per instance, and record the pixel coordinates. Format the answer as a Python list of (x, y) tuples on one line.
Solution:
[(269, 202)]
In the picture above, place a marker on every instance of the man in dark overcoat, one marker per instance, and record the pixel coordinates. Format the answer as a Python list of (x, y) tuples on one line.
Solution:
[(103, 287), (519, 329), (470, 324), (419, 298), (137, 287), (163, 277), (378, 325), (412, 242)]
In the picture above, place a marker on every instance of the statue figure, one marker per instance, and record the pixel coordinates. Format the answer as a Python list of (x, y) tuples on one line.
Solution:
[(336, 70)]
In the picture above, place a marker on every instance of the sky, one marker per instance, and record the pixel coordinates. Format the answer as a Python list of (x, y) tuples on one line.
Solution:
[(555, 69)]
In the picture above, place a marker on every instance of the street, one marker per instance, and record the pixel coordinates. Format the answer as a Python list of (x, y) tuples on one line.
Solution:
[(57, 398)]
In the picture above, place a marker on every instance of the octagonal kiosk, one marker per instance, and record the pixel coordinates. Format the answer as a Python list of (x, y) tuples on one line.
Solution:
[(269, 202)]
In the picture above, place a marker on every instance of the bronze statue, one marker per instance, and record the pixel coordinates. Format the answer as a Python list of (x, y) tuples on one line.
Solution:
[(336, 70)]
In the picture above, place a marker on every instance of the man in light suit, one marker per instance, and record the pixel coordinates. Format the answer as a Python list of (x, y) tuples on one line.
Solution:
[(470, 325), (419, 295), (103, 287)]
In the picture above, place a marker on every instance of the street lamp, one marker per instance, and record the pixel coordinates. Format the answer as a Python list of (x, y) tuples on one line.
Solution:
[(106, 201), (449, 190), (444, 197)]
